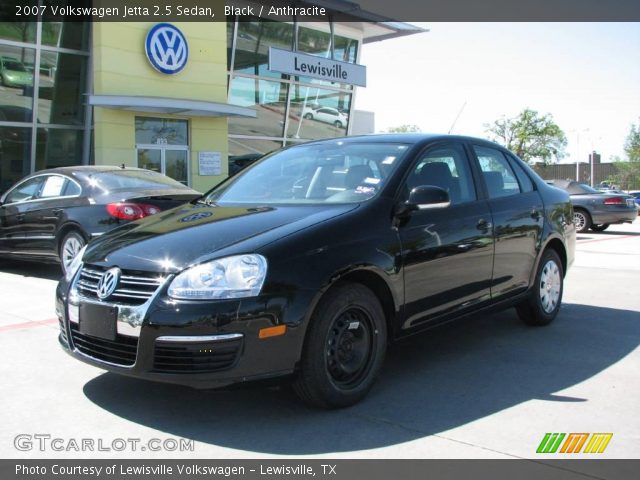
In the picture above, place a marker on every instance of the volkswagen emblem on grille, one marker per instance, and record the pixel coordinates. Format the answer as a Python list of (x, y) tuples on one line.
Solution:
[(108, 283)]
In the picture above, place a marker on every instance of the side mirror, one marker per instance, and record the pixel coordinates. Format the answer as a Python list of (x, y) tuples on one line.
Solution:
[(425, 197)]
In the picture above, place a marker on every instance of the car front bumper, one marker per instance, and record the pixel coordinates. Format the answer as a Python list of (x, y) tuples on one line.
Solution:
[(202, 344)]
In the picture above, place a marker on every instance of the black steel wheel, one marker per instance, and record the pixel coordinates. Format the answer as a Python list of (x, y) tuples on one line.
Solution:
[(344, 348)]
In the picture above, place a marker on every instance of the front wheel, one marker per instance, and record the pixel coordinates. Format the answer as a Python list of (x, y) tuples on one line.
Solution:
[(337, 124), (543, 304), (344, 349), (70, 245), (308, 116), (600, 228)]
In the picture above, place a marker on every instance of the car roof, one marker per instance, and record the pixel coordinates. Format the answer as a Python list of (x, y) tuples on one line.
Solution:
[(87, 169), (409, 138)]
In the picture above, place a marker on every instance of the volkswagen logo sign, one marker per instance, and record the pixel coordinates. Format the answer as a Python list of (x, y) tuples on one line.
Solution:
[(108, 283), (166, 48)]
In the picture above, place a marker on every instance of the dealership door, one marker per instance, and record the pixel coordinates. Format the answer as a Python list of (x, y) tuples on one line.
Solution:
[(172, 161), (162, 146)]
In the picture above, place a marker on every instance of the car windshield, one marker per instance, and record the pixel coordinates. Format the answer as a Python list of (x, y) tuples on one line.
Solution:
[(335, 172), (15, 66), (132, 180)]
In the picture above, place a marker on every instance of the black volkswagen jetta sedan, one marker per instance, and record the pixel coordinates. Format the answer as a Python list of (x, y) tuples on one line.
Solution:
[(309, 262)]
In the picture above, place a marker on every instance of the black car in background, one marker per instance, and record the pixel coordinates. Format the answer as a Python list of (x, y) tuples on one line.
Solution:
[(52, 214), (596, 210), (311, 261)]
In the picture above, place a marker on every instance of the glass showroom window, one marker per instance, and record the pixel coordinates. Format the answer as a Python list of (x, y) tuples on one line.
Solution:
[(43, 120), (318, 113), (15, 146), (267, 98), (253, 40), (62, 84)]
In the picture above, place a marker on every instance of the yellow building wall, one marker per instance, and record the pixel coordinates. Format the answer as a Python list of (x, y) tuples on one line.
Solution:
[(121, 67)]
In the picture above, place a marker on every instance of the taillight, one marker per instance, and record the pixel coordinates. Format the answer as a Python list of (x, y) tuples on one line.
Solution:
[(131, 211), (615, 201)]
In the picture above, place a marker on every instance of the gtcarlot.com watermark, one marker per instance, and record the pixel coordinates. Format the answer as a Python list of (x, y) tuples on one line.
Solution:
[(45, 442)]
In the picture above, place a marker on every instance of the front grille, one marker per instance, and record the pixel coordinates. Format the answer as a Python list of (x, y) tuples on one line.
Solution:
[(122, 351), (134, 288), (204, 357)]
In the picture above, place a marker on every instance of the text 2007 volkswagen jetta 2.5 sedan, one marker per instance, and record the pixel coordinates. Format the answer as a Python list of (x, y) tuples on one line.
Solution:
[(312, 260)]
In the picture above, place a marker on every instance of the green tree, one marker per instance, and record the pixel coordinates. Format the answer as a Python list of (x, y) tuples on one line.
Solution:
[(404, 129), (627, 176), (632, 144), (530, 135)]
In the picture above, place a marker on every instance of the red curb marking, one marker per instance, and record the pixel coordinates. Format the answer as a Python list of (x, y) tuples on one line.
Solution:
[(29, 324), (605, 239)]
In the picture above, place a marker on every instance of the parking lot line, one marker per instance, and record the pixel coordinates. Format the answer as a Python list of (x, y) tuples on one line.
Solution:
[(30, 324)]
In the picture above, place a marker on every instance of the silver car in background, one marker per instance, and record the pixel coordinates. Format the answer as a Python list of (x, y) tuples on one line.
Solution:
[(596, 210)]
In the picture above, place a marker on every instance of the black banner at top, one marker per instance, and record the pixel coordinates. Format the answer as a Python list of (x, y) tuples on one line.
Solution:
[(320, 10)]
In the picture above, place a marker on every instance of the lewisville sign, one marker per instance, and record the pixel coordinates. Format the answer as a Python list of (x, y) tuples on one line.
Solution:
[(304, 65)]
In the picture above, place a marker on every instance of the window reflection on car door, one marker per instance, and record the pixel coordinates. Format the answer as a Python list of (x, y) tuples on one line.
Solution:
[(517, 211), (447, 252)]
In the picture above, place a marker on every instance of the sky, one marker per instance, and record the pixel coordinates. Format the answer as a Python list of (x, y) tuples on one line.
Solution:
[(586, 75)]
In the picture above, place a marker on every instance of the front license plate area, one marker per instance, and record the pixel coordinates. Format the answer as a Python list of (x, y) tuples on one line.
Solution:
[(98, 320)]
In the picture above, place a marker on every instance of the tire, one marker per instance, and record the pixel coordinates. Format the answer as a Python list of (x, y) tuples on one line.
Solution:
[(332, 377), (543, 304), (582, 220), (600, 228), (337, 124), (308, 116), (70, 245)]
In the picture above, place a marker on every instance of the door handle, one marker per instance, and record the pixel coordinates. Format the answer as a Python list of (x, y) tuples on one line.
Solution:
[(20, 217), (535, 214), (56, 211), (483, 224)]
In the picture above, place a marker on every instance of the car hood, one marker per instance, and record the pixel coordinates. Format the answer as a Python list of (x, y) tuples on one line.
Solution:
[(194, 233), (18, 75)]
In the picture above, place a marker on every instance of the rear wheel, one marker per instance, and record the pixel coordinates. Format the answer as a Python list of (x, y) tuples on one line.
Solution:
[(308, 116), (344, 350), (70, 245), (582, 220), (337, 124), (543, 304), (600, 228)]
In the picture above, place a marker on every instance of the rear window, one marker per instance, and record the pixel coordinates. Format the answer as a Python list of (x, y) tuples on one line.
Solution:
[(581, 189), (132, 180)]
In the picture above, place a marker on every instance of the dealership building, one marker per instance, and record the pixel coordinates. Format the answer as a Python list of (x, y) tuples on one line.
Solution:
[(178, 97)]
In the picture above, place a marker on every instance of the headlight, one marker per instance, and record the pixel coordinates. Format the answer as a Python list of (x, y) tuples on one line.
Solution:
[(75, 265), (231, 277)]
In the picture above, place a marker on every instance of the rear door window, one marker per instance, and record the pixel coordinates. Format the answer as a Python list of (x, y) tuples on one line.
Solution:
[(498, 175)]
